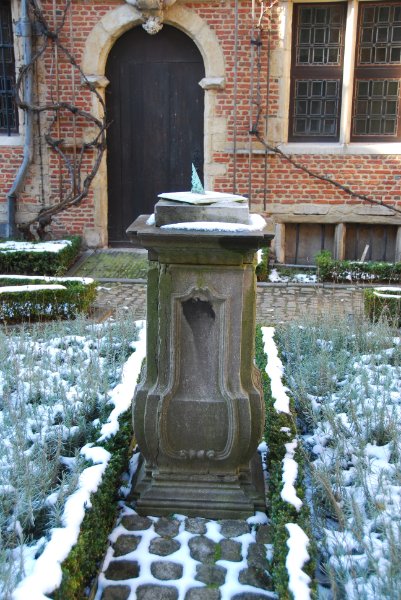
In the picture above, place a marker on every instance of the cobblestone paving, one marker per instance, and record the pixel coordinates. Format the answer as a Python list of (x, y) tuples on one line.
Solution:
[(186, 558), (275, 302)]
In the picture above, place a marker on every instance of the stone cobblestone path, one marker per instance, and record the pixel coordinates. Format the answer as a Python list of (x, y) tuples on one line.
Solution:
[(182, 558)]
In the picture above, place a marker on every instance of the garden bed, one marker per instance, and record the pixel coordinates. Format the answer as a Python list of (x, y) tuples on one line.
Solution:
[(66, 393), (346, 381)]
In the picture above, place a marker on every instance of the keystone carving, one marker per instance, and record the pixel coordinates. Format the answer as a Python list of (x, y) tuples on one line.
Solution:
[(152, 13)]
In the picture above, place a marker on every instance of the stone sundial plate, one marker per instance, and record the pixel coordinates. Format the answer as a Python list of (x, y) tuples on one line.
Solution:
[(170, 211), (200, 199)]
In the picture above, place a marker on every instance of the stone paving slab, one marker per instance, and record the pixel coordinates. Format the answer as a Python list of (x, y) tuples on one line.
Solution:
[(181, 558)]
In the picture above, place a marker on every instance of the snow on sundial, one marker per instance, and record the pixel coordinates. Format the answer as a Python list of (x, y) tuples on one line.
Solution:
[(206, 198)]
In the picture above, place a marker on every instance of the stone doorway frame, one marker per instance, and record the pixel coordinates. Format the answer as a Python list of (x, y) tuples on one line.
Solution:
[(97, 47)]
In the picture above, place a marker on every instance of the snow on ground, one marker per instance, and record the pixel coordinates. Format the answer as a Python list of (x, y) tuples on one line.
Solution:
[(276, 277)]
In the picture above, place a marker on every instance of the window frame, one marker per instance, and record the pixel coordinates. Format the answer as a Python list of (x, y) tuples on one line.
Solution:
[(325, 72), (345, 145), (375, 72), (8, 71)]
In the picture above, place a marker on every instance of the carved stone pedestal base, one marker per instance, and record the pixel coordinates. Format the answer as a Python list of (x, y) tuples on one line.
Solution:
[(198, 414)]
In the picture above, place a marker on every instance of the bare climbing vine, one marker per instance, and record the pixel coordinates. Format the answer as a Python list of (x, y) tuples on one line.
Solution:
[(263, 23), (80, 163)]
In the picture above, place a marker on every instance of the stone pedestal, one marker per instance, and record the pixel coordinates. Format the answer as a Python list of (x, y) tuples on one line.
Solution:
[(199, 414)]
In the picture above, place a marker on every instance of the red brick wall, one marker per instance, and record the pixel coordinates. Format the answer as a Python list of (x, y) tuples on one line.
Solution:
[(374, 175)]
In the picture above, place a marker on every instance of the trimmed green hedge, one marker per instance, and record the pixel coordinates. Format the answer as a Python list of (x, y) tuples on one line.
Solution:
[(384, 305), (278, 426), (26, 262), (349, 271), (83, 562), (45, 304)]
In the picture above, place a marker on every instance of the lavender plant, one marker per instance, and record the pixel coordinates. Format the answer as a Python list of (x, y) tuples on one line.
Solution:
[(346, 379), (54, 394)]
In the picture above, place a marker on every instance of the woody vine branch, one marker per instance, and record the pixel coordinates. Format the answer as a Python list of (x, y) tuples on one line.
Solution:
[(79, 178)]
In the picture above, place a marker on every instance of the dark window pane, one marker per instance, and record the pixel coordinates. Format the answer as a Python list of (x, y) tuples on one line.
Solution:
[(367, 35), (305, 15), (396, 34), (380, 55), (377, 88), (390, 126), (368, 14), (302, 88), (315, 126), (8, 112), (362, 107), (319, 35), (330, 107), (383, 14), (395, 55), (303, 55), (392, 88), (332, 88), (360, 126), (376, 107), (365, 55), (329, 126), (318, 55), (391, 107), (317, 88), (397, 14), (304, 36), (374, 126), (300, 125), (381, 34), (320, 15), (363, 88), (334, 36), (315, 107), (333, 57), (301, 107)]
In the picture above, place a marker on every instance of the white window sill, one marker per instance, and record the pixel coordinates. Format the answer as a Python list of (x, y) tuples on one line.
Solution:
[(342, 149), (11, 140)]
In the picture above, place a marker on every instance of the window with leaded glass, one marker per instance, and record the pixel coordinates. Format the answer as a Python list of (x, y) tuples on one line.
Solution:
[(8, 111), (316, 72), (376, 106)]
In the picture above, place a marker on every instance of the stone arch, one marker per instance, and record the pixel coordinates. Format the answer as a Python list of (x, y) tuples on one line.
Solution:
[(97, 47)]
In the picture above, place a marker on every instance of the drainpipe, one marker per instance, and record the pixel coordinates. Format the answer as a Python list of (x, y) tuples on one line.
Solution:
[(12, 195)]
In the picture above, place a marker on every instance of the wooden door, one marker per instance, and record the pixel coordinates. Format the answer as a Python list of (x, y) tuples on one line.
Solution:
[(155, 109)]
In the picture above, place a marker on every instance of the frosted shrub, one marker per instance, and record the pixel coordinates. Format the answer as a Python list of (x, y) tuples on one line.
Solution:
[(54, 384), (346, 378)]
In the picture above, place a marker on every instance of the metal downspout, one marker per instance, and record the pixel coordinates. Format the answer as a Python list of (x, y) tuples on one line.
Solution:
[(12, 194)]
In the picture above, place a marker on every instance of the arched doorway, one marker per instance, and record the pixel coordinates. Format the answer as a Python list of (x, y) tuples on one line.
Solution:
[(155, 109)]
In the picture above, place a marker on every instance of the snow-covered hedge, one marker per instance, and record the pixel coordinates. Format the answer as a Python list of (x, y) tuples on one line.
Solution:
[(345, 271), (24, 298), (293, 563), (42, 258)]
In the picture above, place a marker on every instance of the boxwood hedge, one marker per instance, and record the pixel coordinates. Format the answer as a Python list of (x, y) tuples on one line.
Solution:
[(32, 262), (44, 304)]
